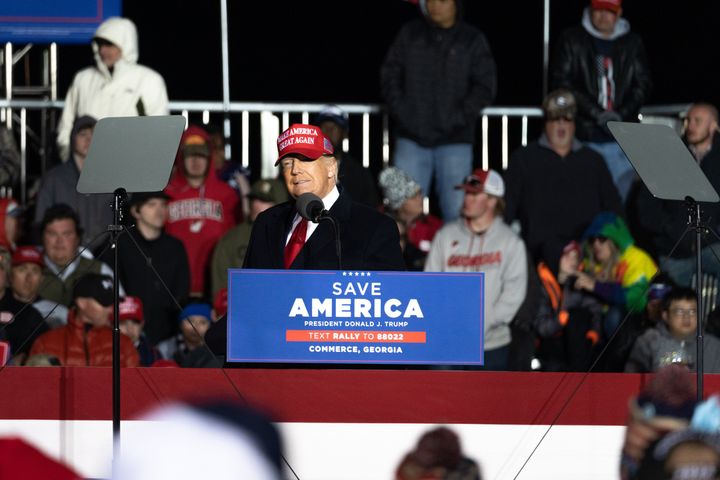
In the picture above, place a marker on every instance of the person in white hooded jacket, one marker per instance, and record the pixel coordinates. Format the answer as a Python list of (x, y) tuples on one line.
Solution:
[(480, 241), (116, 86)]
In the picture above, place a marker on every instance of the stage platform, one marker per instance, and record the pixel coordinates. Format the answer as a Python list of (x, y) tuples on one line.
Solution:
[(333, 418)]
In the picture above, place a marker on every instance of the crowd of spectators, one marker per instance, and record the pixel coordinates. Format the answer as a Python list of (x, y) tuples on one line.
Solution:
[(575, 249), (569, 238)]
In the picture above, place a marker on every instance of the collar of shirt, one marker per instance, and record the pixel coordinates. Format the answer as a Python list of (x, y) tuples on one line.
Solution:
[(56, 268), (329, 200)]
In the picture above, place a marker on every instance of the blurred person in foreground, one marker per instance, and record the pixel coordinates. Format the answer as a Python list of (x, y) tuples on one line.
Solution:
[(694, 452), (212, 438), (664, 405), (22, 459), (438, 455)]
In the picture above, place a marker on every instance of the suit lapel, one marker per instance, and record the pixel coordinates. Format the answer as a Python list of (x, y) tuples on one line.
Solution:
[(278, 230)]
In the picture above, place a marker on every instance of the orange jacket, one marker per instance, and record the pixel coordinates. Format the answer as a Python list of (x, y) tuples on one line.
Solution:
[(77, 345)]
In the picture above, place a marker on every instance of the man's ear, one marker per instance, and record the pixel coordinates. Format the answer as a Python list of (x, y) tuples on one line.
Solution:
[(332, 167)]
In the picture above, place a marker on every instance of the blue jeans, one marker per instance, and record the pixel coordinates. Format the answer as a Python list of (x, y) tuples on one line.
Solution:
[(449, 163), (681, 270), (496, 359), (622, 172)]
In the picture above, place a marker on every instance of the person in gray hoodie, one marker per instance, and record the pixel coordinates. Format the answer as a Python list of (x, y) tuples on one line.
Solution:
[(481, 242), (674, 339)]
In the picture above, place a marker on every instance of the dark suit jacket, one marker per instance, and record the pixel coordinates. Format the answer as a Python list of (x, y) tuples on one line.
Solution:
[(369, 239)]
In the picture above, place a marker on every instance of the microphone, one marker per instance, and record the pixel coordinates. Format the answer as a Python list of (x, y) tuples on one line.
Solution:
[(311, 207)]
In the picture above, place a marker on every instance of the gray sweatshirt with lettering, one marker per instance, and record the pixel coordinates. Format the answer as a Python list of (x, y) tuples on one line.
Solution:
[(500, 254)]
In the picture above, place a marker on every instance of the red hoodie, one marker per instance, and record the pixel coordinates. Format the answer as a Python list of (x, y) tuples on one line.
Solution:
[(199, 216)]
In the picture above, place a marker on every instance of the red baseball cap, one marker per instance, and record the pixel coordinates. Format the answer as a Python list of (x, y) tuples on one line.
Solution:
[(303, 139), (131, 308), (612, 5), (488, 181), (27, 254)]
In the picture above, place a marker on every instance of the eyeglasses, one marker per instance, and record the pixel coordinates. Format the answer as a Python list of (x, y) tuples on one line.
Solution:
[(598, 238), (472, 181), (683, 312)]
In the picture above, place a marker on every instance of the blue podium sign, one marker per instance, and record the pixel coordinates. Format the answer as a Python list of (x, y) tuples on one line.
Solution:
[(43, 21), (311, 316)]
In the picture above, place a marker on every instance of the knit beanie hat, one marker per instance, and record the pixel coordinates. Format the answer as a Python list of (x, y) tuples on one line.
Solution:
[(397, 187)]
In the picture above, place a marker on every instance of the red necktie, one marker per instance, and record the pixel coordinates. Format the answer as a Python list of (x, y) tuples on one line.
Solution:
[(297, 240)]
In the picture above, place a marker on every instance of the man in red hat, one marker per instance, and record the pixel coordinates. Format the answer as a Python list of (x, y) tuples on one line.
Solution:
[(605, 67), (20, 324), (25, 278), (281, 238), (131, 325), (201, 206)]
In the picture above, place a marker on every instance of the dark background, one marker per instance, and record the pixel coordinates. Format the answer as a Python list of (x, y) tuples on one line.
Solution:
[(331, 50)]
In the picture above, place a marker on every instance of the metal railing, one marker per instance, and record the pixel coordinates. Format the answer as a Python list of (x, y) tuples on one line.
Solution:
[(256, 125)]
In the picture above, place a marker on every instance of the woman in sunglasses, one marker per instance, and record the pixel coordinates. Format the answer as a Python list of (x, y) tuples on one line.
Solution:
[(615, 271)]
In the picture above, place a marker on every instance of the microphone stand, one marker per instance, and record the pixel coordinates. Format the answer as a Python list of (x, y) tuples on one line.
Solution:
[(115, 230), (311, 207), (695, 223), (336, 229)]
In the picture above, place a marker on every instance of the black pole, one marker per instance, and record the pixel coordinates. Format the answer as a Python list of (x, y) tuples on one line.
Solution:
[(115, 230), (698, 285), (336, 232)]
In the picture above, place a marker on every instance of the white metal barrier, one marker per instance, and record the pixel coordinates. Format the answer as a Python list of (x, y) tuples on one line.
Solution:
[(272, 118)]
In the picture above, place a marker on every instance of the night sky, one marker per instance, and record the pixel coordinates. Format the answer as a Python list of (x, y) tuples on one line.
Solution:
[(331, 50)]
